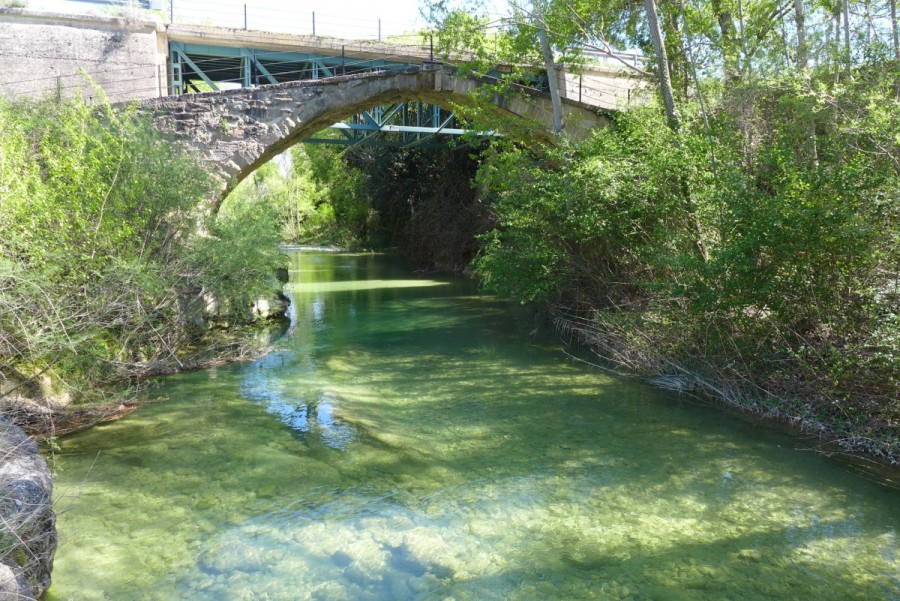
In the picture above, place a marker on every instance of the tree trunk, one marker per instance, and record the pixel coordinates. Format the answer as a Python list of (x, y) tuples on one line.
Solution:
[(676, 54), (665, 86), (550, 65), (802, 50), (662, 63), (742, 38), (896, 33), (867, 6), (808, 150), (837, 43), (729, 41), (847, 37)]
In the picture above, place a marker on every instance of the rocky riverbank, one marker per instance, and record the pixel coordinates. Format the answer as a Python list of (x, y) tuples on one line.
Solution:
[(27, 521)]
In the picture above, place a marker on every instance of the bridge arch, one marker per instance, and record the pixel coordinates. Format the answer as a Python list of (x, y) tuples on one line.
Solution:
[(236, 131)]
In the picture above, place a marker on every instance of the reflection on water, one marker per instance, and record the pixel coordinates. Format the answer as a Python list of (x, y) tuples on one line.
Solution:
[(312, 416), (414, 442)]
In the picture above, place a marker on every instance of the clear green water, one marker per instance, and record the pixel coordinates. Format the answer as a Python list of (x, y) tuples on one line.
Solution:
[(411, 440)]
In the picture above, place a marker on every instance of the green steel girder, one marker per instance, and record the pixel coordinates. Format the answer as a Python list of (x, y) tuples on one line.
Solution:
[(182, 57), (329, 59), (217, 63), (449, 131), (387, 143), (252, 66)]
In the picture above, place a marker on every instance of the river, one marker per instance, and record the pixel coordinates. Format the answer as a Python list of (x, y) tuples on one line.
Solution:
[(409, 439)]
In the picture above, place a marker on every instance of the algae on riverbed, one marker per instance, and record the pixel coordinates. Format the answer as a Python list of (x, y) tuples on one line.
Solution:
[(415, 443)]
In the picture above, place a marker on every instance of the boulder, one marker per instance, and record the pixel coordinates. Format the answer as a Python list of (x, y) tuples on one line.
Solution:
[(28, 527)]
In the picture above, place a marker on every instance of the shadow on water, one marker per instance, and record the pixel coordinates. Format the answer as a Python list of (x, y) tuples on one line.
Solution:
[(728, 568), (415, 443)]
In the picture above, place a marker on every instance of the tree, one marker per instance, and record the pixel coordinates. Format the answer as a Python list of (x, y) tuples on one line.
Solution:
[(538, 36), (662, 63), (848, 56), (802, 50), (729, 45), (550, 65), (895, 32)]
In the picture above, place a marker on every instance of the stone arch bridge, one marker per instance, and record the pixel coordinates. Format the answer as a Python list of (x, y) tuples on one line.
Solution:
[(236, 131)]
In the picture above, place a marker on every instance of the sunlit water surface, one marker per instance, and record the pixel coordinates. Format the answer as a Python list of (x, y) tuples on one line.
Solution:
[(410, 440)]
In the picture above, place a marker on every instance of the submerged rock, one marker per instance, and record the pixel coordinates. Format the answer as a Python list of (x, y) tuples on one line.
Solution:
[(13, 586), (28, 528)]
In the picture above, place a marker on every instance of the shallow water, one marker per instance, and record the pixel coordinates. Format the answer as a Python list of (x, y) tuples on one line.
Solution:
[(410, 440)]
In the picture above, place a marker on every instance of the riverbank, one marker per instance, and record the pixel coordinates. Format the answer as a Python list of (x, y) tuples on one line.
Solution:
[(28, 535), (634, 347), (46, 417)]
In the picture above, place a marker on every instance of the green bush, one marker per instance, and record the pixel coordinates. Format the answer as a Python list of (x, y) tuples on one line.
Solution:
[(600, 220), (109, 248)]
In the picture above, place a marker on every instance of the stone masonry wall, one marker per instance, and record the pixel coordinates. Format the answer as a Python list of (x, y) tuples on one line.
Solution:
[(43, 53)]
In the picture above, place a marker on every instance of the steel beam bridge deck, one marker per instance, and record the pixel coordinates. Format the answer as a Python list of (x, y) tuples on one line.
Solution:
[(200, 68)]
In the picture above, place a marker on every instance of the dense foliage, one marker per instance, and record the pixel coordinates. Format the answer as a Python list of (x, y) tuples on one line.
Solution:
[(424, 203), (798, 299), (110, 257), (743, 241), (312, 196), (418, 201)]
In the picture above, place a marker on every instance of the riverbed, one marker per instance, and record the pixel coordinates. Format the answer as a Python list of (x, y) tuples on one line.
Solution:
[(410, 439)]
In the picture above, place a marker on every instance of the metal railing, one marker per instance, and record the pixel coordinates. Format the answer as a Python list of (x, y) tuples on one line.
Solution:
[(284, 19)]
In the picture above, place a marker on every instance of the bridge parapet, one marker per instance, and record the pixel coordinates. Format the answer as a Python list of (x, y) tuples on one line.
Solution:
[(132, 58)]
